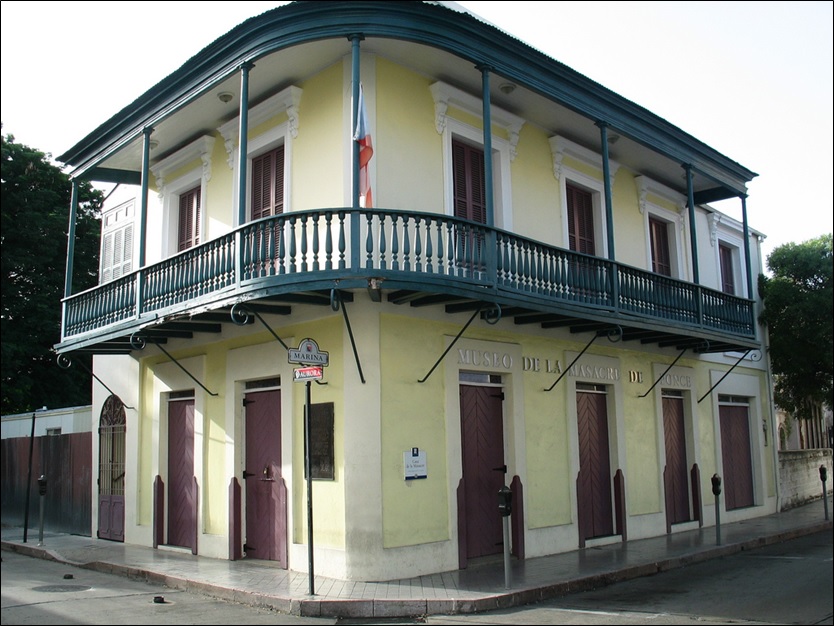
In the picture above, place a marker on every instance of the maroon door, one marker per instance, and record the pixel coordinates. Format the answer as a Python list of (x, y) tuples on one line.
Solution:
[(266, 494), (675, 476), (182, 525), (111, 470), (596, 511), (482, 440), (735, 453)]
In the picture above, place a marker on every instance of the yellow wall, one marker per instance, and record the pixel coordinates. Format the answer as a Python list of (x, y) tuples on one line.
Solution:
[(536, 192), (407, 148), (319, 167), (328, 495), (413, 415)]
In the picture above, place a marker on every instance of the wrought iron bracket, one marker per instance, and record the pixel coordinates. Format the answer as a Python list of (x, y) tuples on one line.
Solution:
[(64, 362), (666, 371), (336, 303), (138, 343), (614, 335), (727, 373), (240, 315), (491, 318)]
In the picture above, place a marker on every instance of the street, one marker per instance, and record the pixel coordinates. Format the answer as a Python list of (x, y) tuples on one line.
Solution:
[(785, 583)]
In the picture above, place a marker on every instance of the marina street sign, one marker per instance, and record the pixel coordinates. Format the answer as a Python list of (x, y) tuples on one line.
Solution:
[(308, 353)]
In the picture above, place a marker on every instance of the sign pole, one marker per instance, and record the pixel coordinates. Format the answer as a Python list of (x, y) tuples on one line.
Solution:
[(309, 469), (308, 353)]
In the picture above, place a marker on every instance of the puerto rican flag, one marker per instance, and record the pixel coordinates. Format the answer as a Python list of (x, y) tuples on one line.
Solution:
[(366, 150)]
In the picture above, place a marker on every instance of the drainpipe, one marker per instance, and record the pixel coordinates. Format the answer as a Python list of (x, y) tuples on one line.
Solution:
[(690, 198), (606, 175), (747, 259), (71, 239), (354, 218), (243, 141)]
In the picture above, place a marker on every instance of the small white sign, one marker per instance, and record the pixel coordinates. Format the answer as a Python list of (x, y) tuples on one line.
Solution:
[(414, 462)]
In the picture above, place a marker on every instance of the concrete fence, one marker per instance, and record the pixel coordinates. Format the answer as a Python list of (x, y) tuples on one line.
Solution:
[(799, 475)]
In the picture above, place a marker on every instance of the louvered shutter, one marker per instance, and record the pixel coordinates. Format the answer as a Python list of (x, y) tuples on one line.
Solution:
[(188, 233), (580, 220), (659, 239), (469, 183), (728, 281), (268, 184)]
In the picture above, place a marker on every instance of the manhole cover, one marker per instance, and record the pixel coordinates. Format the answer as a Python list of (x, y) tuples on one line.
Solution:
[(62, 588)]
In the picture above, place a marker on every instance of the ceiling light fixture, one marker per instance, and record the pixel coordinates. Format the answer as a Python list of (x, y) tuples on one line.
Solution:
[(225, 96), (506, 88)]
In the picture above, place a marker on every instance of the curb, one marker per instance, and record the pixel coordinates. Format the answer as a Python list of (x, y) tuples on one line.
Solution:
[(409, 608)]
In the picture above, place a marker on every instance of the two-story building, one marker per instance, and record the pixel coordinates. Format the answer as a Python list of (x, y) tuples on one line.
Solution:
[(474, 265)]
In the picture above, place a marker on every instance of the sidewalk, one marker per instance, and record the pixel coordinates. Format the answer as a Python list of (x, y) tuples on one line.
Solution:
[(475, 589)]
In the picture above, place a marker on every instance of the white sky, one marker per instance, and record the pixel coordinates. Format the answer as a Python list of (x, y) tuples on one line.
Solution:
[(751, 79)]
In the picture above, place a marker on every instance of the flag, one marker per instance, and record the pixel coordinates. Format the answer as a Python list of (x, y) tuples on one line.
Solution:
[(366, 150)]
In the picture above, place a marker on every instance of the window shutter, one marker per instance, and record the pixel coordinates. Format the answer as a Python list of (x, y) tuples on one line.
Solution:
[(580, 220), (469, 183), (659, 238), (728, 281), (268, 184), (188, 232), (107, 258), (118, 242)]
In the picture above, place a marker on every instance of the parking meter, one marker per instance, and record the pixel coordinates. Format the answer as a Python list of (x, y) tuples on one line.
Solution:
[(505, 501), (823, 473), (716, 484), (42, 492)]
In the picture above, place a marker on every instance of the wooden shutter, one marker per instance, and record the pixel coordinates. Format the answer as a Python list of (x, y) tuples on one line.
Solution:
[(268, 184), (189, 220), (469, 183), (580, 220), (659, 237), (728, 281)]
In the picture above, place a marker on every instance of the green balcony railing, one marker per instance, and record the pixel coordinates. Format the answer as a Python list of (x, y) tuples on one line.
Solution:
[(299, 250)]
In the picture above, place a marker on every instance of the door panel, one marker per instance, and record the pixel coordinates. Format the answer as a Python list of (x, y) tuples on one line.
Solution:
[(181, 496), (596, 518), (482, 440), (735, 453), (266, 496), (677, 479)]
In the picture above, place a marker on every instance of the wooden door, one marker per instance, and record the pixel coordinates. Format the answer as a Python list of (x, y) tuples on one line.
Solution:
[(182, 525), (737, 482), (676, 476), (266, 495), (594, 487), (482, 442)]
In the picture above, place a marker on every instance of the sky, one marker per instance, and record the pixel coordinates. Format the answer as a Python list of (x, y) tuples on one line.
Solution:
[(752, 80)]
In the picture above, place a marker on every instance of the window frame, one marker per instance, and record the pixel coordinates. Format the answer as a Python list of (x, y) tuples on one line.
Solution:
[(447, 97), (170, 191), (566, 173)]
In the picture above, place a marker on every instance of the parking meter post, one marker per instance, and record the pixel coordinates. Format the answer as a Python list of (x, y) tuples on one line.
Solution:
[(505, 507), (823, 477), (716, 490), (42, 492)]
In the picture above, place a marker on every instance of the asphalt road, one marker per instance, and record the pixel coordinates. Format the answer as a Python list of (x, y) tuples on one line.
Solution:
[(786, 583)]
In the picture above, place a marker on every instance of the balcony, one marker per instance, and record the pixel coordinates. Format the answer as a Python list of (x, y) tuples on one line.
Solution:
[(414, 258)]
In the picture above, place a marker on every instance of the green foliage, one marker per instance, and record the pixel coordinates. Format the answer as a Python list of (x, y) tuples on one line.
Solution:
[(35, 205), (798, 312)]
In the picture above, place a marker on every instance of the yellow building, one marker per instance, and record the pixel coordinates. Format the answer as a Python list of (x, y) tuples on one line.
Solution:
[(524, 286)]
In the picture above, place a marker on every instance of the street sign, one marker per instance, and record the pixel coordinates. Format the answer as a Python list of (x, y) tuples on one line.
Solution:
[(302, 374), (308, 353)]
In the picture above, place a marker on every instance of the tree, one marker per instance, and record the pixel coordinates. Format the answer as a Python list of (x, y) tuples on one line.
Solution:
[(35, 204), (798, 314)]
